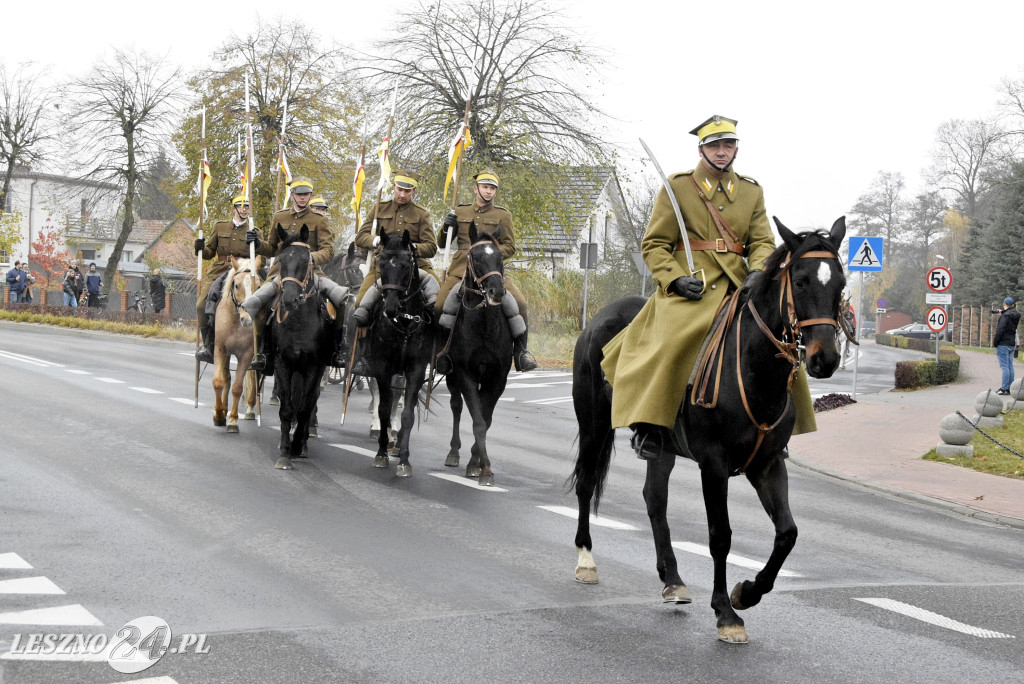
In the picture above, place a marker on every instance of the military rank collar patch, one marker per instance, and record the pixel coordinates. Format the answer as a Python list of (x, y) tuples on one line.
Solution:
[(729, 185)]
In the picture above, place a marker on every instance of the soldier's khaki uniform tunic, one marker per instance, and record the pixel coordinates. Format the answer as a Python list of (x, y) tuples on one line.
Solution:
[(320, 241), (489, 220), (394, 218), (225, 240), (650, 361)]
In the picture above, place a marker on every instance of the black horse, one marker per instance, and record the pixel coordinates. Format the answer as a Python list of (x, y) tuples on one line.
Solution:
[(399, 342), (344, 269), (481, 351), (303, 341), (787, 316)]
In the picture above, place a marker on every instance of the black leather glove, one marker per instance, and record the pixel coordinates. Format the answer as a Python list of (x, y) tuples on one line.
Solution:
[(451, 222), (687, 286), (752, 279), (252, 237), (200, 244)]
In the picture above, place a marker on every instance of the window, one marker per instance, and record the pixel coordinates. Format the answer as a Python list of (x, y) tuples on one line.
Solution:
[(89, 254), (126, 256)]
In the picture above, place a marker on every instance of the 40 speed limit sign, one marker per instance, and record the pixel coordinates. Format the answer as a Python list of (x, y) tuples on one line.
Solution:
[(936, 319)]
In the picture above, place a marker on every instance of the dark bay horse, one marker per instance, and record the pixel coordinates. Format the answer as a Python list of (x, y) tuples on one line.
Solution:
[(787, 316), (481, 351), (346, 269), (303, 341), (399, 339)]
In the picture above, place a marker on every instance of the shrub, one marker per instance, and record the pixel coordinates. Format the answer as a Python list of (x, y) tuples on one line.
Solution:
[(927, 372)]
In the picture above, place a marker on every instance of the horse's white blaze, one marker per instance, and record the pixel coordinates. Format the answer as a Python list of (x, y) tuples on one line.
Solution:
[(585, 558), (824, 273), (488, 250)]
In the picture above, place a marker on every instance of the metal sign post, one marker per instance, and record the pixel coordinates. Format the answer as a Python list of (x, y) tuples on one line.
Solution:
[(865, 254)]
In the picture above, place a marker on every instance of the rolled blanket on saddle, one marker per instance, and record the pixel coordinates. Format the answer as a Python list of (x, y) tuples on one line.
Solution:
[(516, 324), (428, 286), (323, 285)]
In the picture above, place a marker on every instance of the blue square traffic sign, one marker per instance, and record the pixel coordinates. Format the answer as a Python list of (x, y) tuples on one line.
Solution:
[(865, 254)]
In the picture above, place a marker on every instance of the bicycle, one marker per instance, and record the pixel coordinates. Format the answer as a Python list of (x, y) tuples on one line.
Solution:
[(138, 304)]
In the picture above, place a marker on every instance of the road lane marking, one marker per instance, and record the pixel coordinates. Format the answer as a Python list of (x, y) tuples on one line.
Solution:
[(448, 396), (12, 561), (14, 356), (146, 390), (190, 402), (113, 381), (76, 371), (599, 521), (933, 618), (354, 449), (470, 482), (74, 614), (547, 402), (748, 563), (29, 585)]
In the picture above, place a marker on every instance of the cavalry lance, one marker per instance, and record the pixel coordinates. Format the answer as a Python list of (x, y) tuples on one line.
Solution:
[(249, 168), (199, 253)]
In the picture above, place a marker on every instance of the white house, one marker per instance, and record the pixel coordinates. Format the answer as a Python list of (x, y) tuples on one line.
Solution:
[(592, 210), (78, 209)]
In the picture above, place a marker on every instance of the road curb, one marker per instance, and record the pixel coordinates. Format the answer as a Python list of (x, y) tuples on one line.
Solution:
[(916, 497)]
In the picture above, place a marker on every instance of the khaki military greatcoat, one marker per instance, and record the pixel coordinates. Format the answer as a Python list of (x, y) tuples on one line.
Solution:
[(320, 241), (650, 361), (225, 240)]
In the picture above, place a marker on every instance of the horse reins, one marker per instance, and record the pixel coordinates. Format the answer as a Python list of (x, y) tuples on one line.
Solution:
[(790, 351), (304, 284), (479, 280)]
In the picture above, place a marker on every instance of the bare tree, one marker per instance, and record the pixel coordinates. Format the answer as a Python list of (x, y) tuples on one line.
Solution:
[(964, 153), (519, 63), (121, 112), (24, 104), (882, 209)]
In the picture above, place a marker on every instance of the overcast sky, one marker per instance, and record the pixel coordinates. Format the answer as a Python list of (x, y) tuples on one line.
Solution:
[(825, 98)]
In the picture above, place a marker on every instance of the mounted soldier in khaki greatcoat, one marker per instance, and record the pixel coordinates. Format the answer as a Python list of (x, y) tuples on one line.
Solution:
[(649, 363)]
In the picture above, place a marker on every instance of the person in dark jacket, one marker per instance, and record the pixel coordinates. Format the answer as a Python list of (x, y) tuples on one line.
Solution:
[(72, 286), (93, 283), (17, 281), (1004, 341), (157, 291)]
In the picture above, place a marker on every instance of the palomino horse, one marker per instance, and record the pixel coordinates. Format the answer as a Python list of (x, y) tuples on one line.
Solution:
[(788, 316), (303, 342), (234, 339), (481, 351), (399, 338)]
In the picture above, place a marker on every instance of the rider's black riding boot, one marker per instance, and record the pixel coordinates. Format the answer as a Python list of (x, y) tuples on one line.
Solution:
[(339, 358), (205, 351), (443, 364), (649, 441), (521, 355), (262, 360)]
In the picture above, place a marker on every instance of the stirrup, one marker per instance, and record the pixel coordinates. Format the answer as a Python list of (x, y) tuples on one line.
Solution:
[(648, 442), (258, 363), (205, 355), (338, 359), (525, 361), (443, 364)]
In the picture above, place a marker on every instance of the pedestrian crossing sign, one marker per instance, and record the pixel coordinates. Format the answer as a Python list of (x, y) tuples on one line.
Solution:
[(865, 254)]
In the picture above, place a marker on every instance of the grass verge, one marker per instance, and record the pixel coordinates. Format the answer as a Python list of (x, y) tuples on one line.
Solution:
[(989, 457), (152, 330)]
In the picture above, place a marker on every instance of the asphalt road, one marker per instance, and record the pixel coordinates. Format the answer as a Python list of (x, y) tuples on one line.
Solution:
[(120, 500)]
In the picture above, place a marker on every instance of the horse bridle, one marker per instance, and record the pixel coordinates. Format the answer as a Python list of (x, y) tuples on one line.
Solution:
[(791, 350), (405, 293), (305, 285), (234, 300), (478, 279)]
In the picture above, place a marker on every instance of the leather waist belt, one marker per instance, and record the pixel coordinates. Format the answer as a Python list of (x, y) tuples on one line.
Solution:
[(719, 245)]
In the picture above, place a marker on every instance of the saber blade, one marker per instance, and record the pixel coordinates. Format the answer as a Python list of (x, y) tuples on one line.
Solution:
[(675, 206)]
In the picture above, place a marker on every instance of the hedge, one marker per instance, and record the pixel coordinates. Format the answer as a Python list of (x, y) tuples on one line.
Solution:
[(901, 342), (927, 372)]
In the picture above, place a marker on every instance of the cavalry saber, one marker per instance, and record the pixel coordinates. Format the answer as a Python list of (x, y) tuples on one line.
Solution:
[(675, 207)]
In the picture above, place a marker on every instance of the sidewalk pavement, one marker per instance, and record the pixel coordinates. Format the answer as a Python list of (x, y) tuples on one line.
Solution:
[(879, 442)]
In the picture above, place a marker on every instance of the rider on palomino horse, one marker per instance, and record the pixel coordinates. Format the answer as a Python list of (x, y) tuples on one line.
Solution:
[(392, 217), (494, 220), (227, 239), (321, 248), (650, 361)]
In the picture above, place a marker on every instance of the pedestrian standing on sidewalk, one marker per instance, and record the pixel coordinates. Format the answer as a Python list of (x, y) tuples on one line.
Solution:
[(1004, 341)]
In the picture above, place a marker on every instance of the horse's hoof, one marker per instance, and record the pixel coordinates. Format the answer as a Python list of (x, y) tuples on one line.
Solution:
[(733, 634), (403, 470), (219, 422), (736, 597), (274, 401), (304, 453), (284, 463), (487, 480), (380, 461), (586, 575), (233, 429), (676, 593), (452, 461), (374, 434), (249, 415), (313, 431), (473, 471)]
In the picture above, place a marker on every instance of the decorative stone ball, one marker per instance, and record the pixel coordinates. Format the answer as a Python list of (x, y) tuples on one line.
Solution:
[(955, 429), (1017, 389), (988, 404)]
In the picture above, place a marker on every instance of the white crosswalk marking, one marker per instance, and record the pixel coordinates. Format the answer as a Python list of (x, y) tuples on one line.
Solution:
[(12, 561), (60, 615), (598, 521), (29, 585), (466, 482), (933, 618), (731, 558)]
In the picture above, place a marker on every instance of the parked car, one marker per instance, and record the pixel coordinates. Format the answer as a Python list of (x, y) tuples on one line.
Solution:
[(919, 331)]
